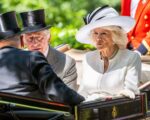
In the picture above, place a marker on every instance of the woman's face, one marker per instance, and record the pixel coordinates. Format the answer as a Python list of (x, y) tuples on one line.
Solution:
[(102, 38)]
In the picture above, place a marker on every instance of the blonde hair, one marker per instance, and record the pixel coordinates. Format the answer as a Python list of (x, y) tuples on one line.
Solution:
[(119, 36)]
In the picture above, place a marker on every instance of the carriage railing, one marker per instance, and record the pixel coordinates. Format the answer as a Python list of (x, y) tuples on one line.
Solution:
[(27, 107)]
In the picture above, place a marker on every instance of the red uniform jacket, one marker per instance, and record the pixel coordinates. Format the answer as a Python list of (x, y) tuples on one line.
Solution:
[(139, 36)]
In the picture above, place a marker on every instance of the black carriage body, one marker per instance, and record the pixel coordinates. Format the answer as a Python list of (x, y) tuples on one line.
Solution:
[(26, 108), (119, 108), (15, 107), (146, 90)]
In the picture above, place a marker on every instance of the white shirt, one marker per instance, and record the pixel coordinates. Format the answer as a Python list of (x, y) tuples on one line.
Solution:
[(46, 52), (133, 7), (123, 73)]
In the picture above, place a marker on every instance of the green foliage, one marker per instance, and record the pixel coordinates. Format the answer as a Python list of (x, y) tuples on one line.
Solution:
[(66, 35), (64, 15)]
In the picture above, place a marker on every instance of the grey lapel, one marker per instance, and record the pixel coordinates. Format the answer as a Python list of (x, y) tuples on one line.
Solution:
[(57, 60)]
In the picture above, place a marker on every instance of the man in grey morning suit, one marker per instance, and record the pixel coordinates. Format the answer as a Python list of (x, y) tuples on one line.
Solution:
[(37, 37)]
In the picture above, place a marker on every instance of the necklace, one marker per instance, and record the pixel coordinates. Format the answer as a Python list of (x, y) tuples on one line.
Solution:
[(114, 53)]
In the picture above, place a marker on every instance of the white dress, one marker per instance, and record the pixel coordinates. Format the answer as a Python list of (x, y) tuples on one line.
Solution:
[(123, 73)]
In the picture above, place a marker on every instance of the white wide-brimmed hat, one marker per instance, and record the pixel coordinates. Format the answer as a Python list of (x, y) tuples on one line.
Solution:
[(101, 17)]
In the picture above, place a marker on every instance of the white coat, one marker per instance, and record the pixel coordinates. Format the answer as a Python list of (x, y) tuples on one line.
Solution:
[(123, 73)]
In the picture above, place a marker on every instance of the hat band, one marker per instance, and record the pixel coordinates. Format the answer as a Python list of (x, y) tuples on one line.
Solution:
[(35, 28)]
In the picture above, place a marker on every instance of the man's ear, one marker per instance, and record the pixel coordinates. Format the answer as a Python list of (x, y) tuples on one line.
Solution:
[(22, 41), (49, 37)]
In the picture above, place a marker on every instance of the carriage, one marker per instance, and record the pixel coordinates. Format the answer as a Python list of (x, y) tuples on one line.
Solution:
[(14, 107)]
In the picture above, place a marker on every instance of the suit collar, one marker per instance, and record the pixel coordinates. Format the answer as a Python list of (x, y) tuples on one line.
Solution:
[(51, 56), (46, 52)]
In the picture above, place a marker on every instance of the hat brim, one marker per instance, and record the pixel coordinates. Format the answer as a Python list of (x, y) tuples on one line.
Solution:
[(35, 29), (83, 35)]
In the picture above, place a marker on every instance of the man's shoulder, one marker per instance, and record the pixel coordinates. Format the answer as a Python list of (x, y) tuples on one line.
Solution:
[(59, 56), (56, 52), (60, 62)]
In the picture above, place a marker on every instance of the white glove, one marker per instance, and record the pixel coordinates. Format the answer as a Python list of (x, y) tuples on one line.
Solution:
[(127, 93), (92, 97), (95, 96)]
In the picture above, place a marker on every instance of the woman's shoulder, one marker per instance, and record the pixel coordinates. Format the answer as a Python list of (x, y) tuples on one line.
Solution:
[(91, 53), (128, 54), (90, 56)]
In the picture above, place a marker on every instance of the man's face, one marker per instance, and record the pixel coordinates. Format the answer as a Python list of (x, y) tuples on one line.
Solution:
[(37, 40)]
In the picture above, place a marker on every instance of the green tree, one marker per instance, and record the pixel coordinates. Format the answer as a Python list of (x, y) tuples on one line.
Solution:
[(64, 15)]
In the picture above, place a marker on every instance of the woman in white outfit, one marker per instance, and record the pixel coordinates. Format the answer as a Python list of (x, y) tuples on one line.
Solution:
[(111, 70)]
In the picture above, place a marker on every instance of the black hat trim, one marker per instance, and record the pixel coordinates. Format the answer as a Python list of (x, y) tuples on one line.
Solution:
[(35, 28), (91, 15), (7, 34)]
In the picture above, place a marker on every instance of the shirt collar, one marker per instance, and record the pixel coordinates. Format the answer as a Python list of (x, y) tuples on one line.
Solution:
[(46, 52)]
